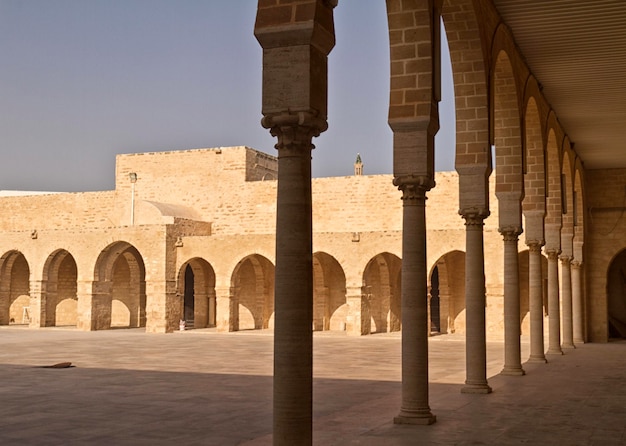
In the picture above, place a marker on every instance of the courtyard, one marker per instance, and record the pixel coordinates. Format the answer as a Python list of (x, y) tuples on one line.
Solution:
[(200, 387)]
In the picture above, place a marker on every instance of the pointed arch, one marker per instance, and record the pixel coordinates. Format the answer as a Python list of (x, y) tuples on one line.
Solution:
[(329, 293), (196, 287), (59, 289), (450, 288), (382, 287), (14, 288), (119, 288), (252, 284)]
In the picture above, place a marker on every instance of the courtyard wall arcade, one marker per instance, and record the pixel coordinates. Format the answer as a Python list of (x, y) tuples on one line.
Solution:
[(76, 259)]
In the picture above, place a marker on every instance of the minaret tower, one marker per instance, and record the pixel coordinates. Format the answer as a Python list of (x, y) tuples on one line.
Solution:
[(358, 165)]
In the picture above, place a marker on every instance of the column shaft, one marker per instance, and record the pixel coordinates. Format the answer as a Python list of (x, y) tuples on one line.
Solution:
[(512, 325), (566, 296), (475, 301), (577, 303), (415, 408), (293, 335), (554, 311), (535, 303)]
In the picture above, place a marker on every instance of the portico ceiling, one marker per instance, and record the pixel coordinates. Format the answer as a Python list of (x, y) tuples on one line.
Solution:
[(577, 50)]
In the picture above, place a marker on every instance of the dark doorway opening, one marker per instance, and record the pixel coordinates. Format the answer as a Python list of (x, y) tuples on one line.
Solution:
[(189, 297), (435, 313)]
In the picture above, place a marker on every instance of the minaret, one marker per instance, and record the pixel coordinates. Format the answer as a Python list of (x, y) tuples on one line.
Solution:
[(358, 165)]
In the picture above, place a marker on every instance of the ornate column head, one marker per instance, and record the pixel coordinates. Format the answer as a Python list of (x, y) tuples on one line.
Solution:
[(414, 188), (294, 130), (474, 217)]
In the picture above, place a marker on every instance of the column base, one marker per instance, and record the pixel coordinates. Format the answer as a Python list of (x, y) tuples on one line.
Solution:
[(578, 341), (424, 419), (476, 389), (512, 371), (554, 351), (538, 359), (568, 346)]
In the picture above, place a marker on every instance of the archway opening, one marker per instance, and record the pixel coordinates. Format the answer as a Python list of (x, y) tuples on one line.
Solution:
[(435, 310), (196, 286), (616, 293), (382, 288), (252, 304), (14, 289), (329, 294), (59, 288), (119, 288), (447, 280)]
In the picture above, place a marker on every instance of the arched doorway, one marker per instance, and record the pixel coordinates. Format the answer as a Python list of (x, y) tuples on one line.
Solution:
[(252, 304), (616, 293), (196, 286), (59, 288), (119, 288), (14, 289), (434, 302), (381, 284), (447, 280), (329, 293)]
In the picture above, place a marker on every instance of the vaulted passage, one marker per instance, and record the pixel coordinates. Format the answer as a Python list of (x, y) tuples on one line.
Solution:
[(14, 289), (616, 290)]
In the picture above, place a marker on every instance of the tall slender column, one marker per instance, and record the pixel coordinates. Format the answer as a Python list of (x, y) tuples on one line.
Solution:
[(577, 303), (512, 325), (535, 303), (414, 408), (475, 301), (293, 335), (554, 312), (566, 296)]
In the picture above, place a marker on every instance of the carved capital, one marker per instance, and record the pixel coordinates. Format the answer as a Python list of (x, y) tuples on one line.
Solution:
[(510, 234), (474, 216), (553, 254), (576, 264), (294, 131), (413, 194), (534, 247), (565, 259), (414, 188)]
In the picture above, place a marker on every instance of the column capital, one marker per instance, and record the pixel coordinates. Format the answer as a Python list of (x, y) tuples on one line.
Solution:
[(294, 130), (576, 263), (414, 188), (474, 217), (565, 258), (553, 254), (510, 234), (534, 246)]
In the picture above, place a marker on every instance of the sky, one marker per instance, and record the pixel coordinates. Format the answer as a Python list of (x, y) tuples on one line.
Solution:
[(84, 80)]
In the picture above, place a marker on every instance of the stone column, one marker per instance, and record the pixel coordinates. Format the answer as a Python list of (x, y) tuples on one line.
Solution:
[(577, 303), (566, 302), (512, 325), (212, 305), (414, 408), (554, 311), (225, 312), (296, 37), (37, 310), (163, 309), (85, 319), (475, 302), (293, 336), (358, 319), (535, 303)]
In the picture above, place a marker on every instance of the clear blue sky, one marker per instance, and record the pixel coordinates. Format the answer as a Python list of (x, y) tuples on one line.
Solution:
[(84, 80)]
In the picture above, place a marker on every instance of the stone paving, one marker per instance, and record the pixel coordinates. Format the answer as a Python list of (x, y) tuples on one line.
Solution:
[(205, 388)]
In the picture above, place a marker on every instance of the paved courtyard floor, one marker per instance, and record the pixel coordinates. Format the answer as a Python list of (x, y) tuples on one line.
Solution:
[(205, 388)]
